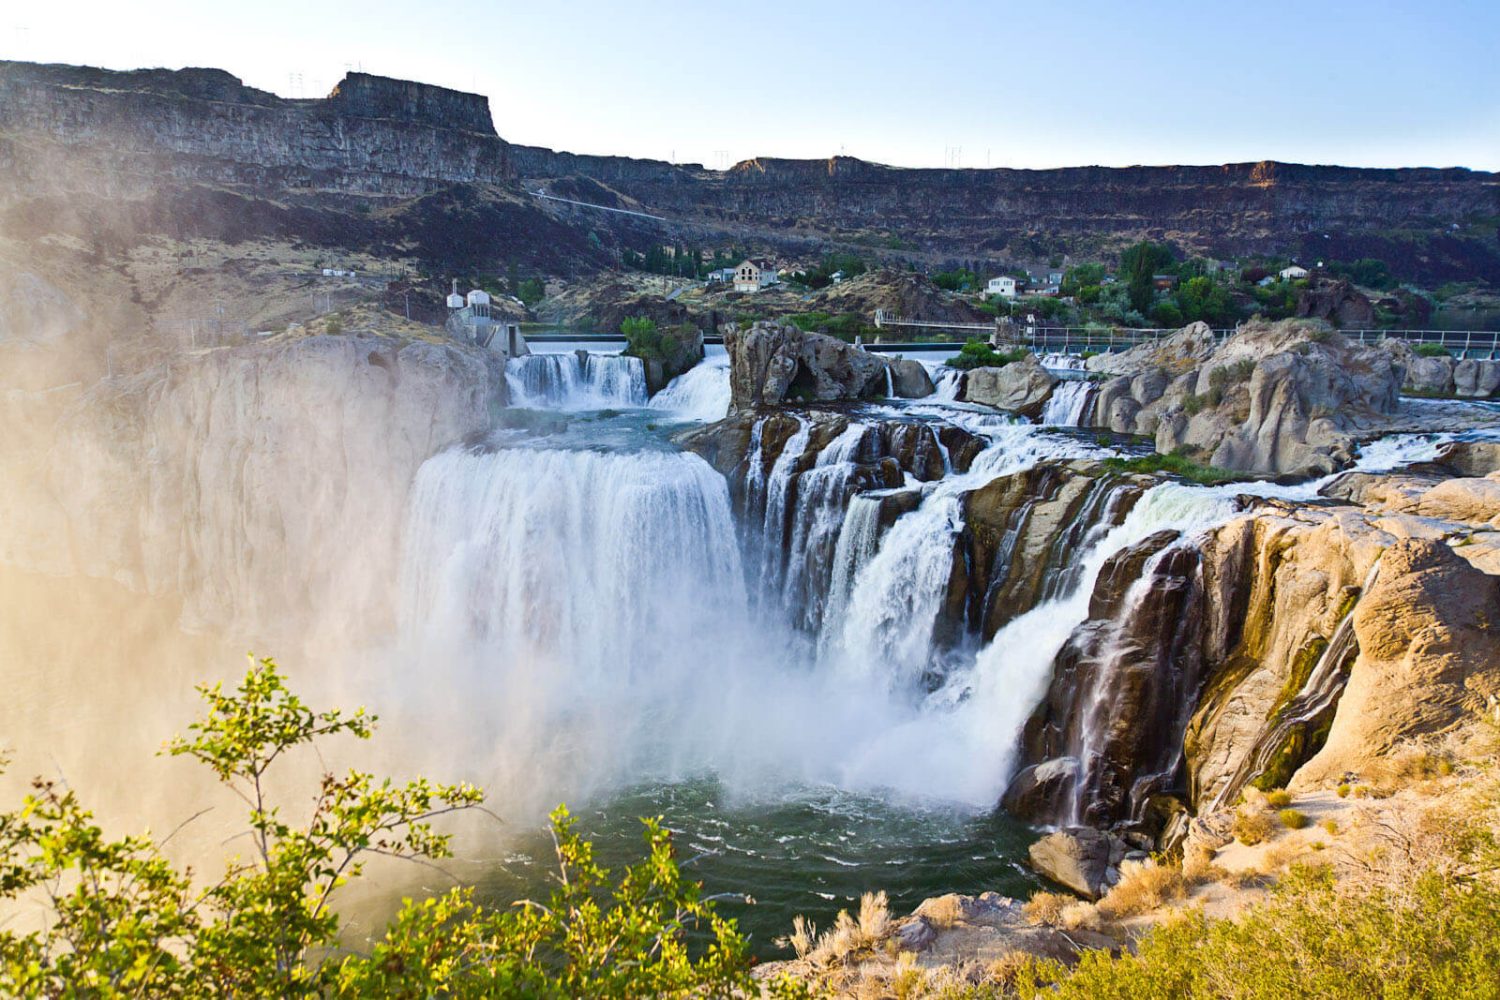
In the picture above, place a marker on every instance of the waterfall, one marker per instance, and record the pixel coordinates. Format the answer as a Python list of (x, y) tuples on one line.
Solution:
[(1064, 362), (990, 701), (946, 381), (1068, 404), (701, 393), (778, 487), (576, 380), (886, 636), (890, 383), (817, 519), (859, 537), (545, 553)]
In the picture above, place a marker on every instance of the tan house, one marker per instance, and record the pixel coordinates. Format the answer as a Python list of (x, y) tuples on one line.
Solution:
[(752, 276)]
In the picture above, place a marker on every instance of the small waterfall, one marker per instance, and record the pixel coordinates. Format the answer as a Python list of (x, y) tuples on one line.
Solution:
[(817, 518), (700, 393), (890, 383), (886, 634), (576, 380), (1068, 404), (1064, 362), (946, 381), (859, 537), (778, 487)]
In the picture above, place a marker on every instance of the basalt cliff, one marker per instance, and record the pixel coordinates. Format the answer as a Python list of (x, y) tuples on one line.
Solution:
[(384, 163)]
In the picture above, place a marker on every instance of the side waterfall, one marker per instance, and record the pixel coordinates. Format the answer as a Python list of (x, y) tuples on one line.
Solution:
[(576, 380), (700, 393), (1068, 404)]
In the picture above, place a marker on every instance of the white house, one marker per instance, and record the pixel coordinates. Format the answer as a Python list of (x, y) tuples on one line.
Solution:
[(1004, 286), (752, 277), (723, 276), (1293, 273)]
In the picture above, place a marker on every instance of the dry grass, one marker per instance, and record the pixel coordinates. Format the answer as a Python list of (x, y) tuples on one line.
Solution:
[(850, 937), (1278, 799), (944, 912), (1045, 909), (1252, 826), (1330, 826), (804, 935), (1080, 916), (1143, 887)]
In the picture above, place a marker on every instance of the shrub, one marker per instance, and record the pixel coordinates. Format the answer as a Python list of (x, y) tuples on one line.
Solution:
[(1252, 827), (1293, 819), (978, 354), (1278, 798), (123, 921), (334, 326), (1430, 351), (1176, 464), (1330, 826), (1307, 940), (1143, 887), (1343, 791), (1046, 908)]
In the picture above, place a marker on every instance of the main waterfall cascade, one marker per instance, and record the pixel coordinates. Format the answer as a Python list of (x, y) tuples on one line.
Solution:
[(636, 632)]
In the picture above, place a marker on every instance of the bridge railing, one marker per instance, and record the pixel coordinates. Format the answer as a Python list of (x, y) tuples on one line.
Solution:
[(1477, 344)]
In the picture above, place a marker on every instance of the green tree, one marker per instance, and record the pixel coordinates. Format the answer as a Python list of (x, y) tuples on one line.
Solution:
[(531, 291), (1140, 263), (123, 922)]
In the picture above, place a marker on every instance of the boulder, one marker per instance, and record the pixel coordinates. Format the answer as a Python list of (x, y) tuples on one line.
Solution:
[(1336, 301), (1471, 458), (1183, 351), (1020, 387), (773, 363), (1079, 858), (674, 351), (1475, 379), (912, 380)]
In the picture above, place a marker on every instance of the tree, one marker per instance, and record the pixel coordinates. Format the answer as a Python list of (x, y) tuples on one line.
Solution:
[(124, 922), (531, 291), (1141, 263), (1206, 300)]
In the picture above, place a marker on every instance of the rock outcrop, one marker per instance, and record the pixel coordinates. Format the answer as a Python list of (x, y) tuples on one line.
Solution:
[(772, 363), (1336, 301), (1285, 398), (1021, 386), (1444, 375)]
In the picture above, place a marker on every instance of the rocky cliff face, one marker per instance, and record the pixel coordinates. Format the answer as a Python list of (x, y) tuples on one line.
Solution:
[(1230, 209), (264, 486), (70, 132), (121, 133)]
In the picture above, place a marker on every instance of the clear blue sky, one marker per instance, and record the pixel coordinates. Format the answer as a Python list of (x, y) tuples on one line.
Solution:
[(1009, 84)]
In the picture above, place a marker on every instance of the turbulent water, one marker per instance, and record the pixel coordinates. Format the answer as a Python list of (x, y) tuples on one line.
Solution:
[(576, 380), (775, 686)]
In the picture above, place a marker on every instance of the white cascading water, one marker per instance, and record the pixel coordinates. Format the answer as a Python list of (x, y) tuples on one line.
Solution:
[(817, 520), (1063, 362), (574, 380), (946, 381), (1068, 403), (701, 393), (885, 635)]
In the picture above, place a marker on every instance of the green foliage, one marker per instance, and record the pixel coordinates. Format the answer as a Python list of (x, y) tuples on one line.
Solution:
[(1278, 798), (845, 326), (1430, 351), (1167, 314), (642, 338), (334, 326), (960, 280), (1082, 276), (979, 354), (1293, 819), (821, 276), (1437, 940), (1366, 271), (1202, 299), (122, 921), (531, 291), (1139, 264), (1176, 464)]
